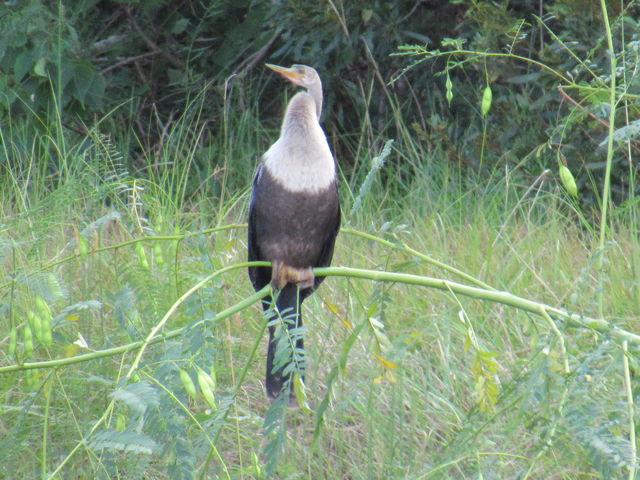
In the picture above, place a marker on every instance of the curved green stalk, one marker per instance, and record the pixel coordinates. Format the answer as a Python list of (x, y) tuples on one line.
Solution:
[(477, 53), (506, 298)]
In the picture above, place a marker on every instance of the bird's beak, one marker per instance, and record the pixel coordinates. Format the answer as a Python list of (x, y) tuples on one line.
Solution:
[(289, 73)]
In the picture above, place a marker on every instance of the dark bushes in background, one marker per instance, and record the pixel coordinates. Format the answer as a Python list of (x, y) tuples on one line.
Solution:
[(142, 61)]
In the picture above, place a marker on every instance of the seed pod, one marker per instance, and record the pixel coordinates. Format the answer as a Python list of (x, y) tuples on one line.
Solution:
[(36, 324), (205, 387), (300, 393), (448, 85), (159, 223), (121, 423), (485, 105), (47, 337), (158, 254), (142, 256), (28, 340), (188, 384), (44, 312), (13, 341), (30, 378), (568, 182), (175, 244), (211, 378), (43, 308), (83, 245)]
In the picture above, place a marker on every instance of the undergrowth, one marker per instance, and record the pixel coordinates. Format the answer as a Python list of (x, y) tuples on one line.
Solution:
[(132, 344), (402, 381)]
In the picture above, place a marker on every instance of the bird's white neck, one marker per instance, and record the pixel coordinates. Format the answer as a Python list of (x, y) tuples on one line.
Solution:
[(300, 160)]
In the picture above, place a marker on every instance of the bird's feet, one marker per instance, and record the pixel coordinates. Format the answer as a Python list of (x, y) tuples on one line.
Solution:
[(283, 274)]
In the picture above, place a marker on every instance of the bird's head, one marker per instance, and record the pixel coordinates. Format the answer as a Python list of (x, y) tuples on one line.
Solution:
[(300, 75)]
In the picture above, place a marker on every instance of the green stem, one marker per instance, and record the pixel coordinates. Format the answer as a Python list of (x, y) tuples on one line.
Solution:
[(45, 426), (633, 454), (506, 298), (606, 191), (476, 53)]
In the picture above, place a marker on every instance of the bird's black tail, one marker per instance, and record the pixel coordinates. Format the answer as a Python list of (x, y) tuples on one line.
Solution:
[(288, 305)]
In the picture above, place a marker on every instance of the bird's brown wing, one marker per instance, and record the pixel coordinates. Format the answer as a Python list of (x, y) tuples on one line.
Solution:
[(259, 276)]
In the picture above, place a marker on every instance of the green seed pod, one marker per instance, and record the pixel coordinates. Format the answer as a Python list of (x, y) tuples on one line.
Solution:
[(44, 312), (36, 324), (568, 182), (47, 337), (29, 379), (211, 378), (205, 387), (43, 308), (83, 245), (142, 256), (13, 341), (487, 96), (188, 384), (448, 85), (158, 254), (32, 379), (121, 423), (28, 340), (300, 393)]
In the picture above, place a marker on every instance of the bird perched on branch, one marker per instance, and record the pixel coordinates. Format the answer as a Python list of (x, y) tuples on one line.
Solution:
[(294, 214)]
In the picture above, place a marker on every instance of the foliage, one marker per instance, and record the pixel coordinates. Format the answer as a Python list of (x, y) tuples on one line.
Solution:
[(106, 238), (144, 61), (406, 371)]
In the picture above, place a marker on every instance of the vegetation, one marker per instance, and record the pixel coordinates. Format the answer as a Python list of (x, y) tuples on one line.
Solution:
[(131, 343)]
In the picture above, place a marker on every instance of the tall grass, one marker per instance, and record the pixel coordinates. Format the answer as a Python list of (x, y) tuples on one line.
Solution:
[(405, 382)]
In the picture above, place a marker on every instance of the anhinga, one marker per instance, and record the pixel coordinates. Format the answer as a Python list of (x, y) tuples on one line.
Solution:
[(294, 214)]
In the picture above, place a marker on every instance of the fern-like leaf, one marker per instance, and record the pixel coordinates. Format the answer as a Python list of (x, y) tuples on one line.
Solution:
[(127, 441)]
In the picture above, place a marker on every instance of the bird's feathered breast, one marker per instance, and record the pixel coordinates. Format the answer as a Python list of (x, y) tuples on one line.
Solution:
[(293, 227), (300, 160)]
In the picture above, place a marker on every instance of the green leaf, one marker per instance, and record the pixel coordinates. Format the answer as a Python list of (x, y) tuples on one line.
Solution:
[(179, 26), (22, 65), (128, 441), (95, 94), (628, 132), (82, 79), (39, 67), (138, 396), (525, 78)]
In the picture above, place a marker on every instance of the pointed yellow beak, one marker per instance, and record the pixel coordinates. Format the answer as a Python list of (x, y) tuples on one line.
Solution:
[(289, 73)]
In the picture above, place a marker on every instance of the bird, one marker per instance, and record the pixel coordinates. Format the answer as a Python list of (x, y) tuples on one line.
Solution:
[(294, 213)]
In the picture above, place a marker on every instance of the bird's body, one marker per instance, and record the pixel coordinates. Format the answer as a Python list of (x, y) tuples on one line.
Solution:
[(294, 215)]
